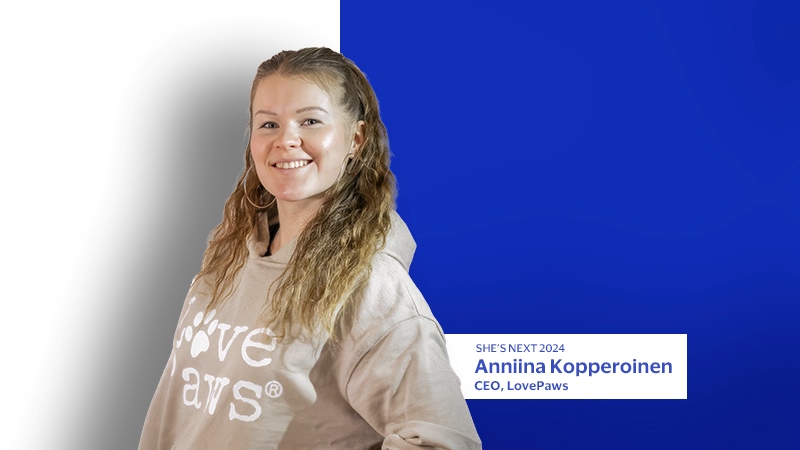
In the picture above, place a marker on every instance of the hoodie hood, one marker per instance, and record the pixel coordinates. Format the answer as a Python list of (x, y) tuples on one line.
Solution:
[(400, 245)]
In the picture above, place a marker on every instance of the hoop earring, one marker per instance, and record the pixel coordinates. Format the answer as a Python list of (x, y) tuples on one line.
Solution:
[(247, 197), (349, 157)]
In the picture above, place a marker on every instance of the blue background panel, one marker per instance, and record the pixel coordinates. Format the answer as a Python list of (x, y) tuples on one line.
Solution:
[(605, 167)]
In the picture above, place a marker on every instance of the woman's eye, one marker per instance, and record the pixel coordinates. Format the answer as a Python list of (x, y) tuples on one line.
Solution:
[(270, 125), (311, 121)]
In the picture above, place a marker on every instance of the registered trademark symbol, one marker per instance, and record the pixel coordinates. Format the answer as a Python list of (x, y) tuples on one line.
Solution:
[(273, 389)]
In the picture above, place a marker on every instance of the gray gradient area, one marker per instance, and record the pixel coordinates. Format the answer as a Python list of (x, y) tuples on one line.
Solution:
[(199, 126)]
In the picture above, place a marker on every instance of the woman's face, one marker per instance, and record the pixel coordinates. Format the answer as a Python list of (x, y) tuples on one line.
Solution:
[(300, 140)]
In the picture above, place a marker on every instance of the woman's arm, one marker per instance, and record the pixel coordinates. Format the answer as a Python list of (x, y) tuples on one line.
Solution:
[(405, 388)]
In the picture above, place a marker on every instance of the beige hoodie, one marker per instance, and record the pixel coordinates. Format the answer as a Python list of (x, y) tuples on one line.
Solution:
[(230, 384)]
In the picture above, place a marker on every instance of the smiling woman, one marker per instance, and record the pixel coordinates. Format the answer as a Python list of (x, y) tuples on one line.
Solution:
[(303, 329)]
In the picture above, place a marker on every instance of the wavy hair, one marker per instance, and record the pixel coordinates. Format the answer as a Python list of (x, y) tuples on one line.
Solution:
[(333, 255)]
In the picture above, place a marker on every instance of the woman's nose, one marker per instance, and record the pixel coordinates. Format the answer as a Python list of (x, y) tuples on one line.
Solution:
[(288, 137)]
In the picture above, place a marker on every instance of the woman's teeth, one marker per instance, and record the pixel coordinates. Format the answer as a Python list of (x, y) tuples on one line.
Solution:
[(291, 164)]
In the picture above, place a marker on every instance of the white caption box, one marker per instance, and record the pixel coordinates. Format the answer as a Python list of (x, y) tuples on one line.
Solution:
[(570, 366)]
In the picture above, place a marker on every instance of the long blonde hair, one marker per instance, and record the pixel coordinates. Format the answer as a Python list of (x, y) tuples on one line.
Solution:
[(332, 259)]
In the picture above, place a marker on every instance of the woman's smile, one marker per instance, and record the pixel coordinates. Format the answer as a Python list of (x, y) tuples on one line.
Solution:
[(296, 164)]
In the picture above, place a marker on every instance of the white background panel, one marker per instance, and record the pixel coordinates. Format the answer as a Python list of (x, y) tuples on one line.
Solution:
[(122, 137)]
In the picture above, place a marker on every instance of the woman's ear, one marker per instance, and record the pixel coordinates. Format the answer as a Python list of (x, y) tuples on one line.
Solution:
[(358, 138)]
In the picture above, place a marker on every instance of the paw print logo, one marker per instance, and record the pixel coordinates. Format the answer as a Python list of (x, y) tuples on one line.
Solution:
[(199, 338)]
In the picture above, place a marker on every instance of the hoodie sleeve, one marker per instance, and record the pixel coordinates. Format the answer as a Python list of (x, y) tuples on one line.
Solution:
[(405, 388)]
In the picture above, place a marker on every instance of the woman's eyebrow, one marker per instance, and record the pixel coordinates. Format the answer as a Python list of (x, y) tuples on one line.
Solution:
[(309, 108), (301, 110)]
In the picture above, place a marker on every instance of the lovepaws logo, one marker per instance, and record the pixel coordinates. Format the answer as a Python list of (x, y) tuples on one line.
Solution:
[(203, 391)]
